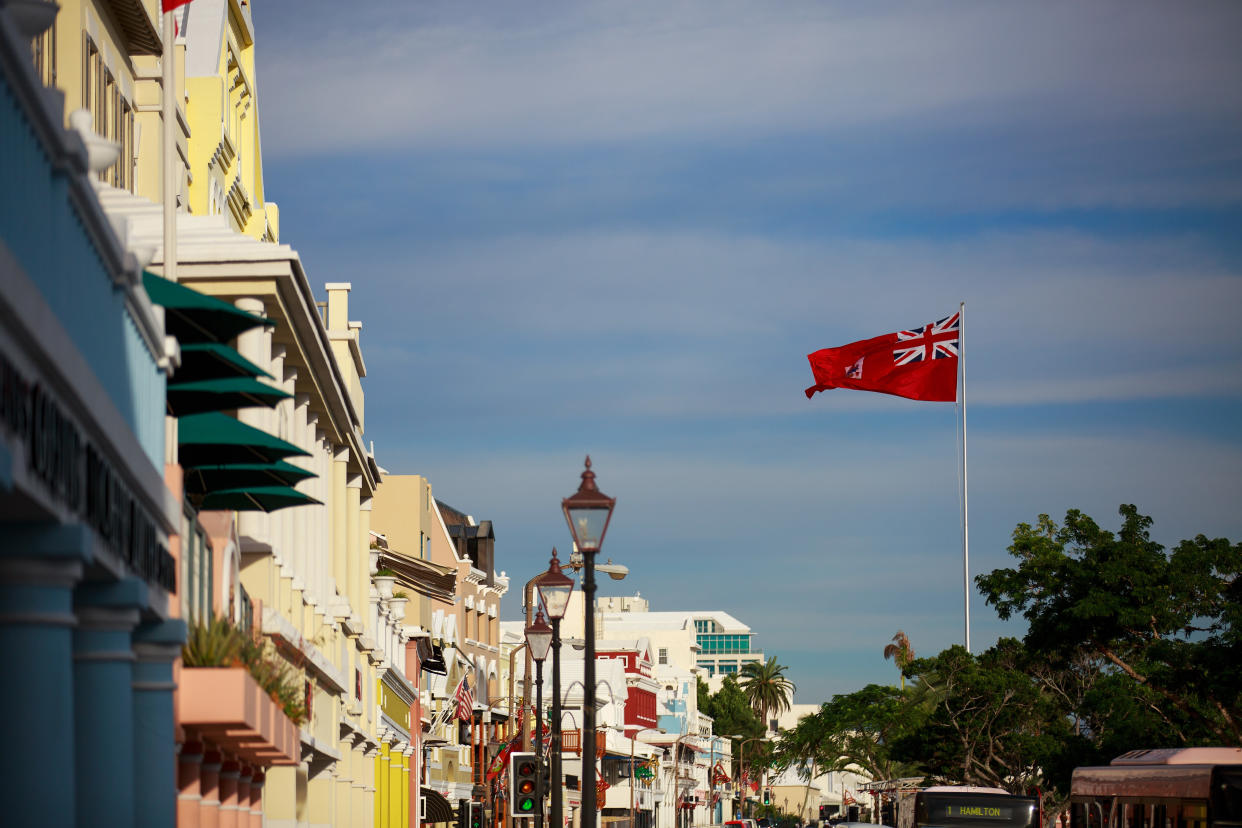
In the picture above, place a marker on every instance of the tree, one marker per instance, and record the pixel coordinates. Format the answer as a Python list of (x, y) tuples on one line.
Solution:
[(988, 722), (902, 654), (1167, 622), (730, 709), (767, 688), (854, 732)]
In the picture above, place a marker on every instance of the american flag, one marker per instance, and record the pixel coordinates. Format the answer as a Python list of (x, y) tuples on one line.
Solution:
[(937, 340), (464, 697)]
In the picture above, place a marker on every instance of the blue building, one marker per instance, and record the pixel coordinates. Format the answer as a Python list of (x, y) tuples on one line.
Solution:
[(87, 582)]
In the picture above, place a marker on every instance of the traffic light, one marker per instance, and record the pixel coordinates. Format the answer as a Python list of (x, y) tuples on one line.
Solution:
[(476, 815), (767, 796), (523, 784)]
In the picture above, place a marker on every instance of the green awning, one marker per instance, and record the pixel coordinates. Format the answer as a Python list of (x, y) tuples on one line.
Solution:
[(203, 479), (195, 317), (211, 360), (221, 395), (256, 499), (213, 439)]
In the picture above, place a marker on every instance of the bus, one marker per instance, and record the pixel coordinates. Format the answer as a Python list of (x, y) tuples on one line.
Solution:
[(1173, 788), (965, 806), (960, 806)]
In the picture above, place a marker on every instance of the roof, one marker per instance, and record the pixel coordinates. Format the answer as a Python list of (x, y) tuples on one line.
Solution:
[(675, 620)]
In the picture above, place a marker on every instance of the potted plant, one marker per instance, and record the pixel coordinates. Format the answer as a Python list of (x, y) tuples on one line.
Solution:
[(384, 579), (396, 605)]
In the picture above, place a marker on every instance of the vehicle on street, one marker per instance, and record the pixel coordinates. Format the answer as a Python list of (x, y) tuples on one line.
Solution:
[(1177, 788), (958, 806)]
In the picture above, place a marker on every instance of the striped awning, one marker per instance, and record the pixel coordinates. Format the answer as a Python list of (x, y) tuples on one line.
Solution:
[(436, 806)]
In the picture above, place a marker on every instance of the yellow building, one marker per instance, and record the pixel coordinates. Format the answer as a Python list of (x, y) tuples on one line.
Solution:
[(447, 560), (104, 57), (225, 153), (299, 577)]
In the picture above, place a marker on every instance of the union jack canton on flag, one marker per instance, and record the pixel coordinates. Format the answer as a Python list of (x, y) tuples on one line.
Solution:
[(937, 340)]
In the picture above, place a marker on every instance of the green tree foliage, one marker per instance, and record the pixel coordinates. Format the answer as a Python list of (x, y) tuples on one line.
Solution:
[(1128, 645), (987, 722), (732, 716), (1167, 622), (856, 731), (767, 688), (730, 710)]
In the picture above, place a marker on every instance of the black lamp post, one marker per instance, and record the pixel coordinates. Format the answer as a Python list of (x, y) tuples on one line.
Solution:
[(555, 588), (538, 640), (588, 511)]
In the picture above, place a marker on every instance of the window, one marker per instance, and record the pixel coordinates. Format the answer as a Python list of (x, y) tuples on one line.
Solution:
[(663, 655), (730, 643), (44, 51), (113, 115), (195, 570)]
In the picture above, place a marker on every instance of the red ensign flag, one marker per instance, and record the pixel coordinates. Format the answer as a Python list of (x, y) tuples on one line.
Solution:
[(920, 364)]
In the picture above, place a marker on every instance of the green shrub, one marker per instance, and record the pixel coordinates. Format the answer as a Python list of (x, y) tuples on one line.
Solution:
[(215, 642)]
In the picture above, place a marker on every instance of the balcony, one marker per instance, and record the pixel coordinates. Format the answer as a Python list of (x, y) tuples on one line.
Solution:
[(228, 707)]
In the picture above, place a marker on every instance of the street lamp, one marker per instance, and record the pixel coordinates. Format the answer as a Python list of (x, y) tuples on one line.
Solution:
[(741, 755), (555, 587), (538, 640), (588, 512), (736, 773)]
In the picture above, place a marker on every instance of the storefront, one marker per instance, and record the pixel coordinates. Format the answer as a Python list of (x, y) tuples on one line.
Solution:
[(87, 583)]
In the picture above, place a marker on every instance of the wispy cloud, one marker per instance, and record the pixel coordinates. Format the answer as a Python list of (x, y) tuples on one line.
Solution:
[(567, 73), (583, 225), (685, 326)]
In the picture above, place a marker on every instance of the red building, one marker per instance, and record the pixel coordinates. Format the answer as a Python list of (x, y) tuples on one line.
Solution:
[(640, 685)]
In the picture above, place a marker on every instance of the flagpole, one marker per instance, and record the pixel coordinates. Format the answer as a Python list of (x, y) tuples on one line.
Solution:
[(961, 362), (168, 111)]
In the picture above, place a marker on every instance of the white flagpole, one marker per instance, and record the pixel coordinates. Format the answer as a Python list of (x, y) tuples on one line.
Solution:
[(168, 107), (961, 362)]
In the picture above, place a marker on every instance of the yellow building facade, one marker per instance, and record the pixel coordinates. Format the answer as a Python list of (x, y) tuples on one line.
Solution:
[(103, 56), (446, 559), (225, 152), (375, 741)]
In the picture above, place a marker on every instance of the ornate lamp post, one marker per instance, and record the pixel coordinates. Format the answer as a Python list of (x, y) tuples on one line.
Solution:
[(555, 588), (538, 640), (588, 512), (741, 751)]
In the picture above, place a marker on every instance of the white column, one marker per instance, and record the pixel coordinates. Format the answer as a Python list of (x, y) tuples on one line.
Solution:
[(305, 514), (255, 346)]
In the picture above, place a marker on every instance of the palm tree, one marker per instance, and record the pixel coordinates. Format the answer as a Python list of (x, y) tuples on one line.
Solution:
[(901, 653), (767, 688)]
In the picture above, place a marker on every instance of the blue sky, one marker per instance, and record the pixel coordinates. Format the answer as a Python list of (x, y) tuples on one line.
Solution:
[(618, 228)]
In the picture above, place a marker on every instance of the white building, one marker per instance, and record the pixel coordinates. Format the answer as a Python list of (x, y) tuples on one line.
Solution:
[(712, 641)]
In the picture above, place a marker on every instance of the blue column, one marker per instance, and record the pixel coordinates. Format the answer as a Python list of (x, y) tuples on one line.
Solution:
[(157, 646), (39, 565), (103, 669)]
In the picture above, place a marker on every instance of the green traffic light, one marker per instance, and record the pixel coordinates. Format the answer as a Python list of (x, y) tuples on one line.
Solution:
[(526, 805)]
